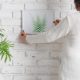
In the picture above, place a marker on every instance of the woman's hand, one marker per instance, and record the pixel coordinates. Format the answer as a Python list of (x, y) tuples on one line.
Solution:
[(56, 22), (22, 37)]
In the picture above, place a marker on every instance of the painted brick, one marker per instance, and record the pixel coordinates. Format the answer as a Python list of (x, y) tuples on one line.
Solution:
[(6, 77), (25, 77), (13, 70), (42, 70), (19, 46), (11, 22), (5, 14), (38, 54), (17, 15), (46, 77), (12, 7), (45, 62), (25, 1), (35, 6), (20, 58)]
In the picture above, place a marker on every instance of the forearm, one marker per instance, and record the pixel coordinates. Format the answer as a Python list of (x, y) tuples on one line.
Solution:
[(51, 35), (43, 37), (38, 38)]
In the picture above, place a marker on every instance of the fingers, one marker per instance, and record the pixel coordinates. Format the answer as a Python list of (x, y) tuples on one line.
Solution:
[(23, 33), (22, 37), (56, 22)]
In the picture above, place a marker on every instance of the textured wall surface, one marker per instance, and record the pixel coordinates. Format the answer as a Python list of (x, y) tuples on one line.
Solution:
[(31, 61)]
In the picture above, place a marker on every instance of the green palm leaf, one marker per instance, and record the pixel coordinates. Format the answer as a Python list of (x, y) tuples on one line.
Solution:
[(5, 45), (39, 24)]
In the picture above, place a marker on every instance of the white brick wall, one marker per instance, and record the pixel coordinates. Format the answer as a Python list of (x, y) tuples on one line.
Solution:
[(31, 62)]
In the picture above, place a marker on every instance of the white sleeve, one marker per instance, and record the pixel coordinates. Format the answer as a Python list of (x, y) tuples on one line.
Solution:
[(50, 36)]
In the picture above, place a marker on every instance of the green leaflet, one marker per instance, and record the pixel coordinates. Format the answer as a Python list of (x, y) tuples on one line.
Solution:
[(5, 45), (39, 24)]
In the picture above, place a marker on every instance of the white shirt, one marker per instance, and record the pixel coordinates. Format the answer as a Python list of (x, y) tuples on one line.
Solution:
[(70, 28), (61, 30)]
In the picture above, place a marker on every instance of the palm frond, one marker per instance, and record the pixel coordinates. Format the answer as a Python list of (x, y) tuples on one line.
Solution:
[(5, 45), (39, 24)]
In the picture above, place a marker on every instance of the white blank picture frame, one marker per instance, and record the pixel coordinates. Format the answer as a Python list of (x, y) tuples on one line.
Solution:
[(30, 15)]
